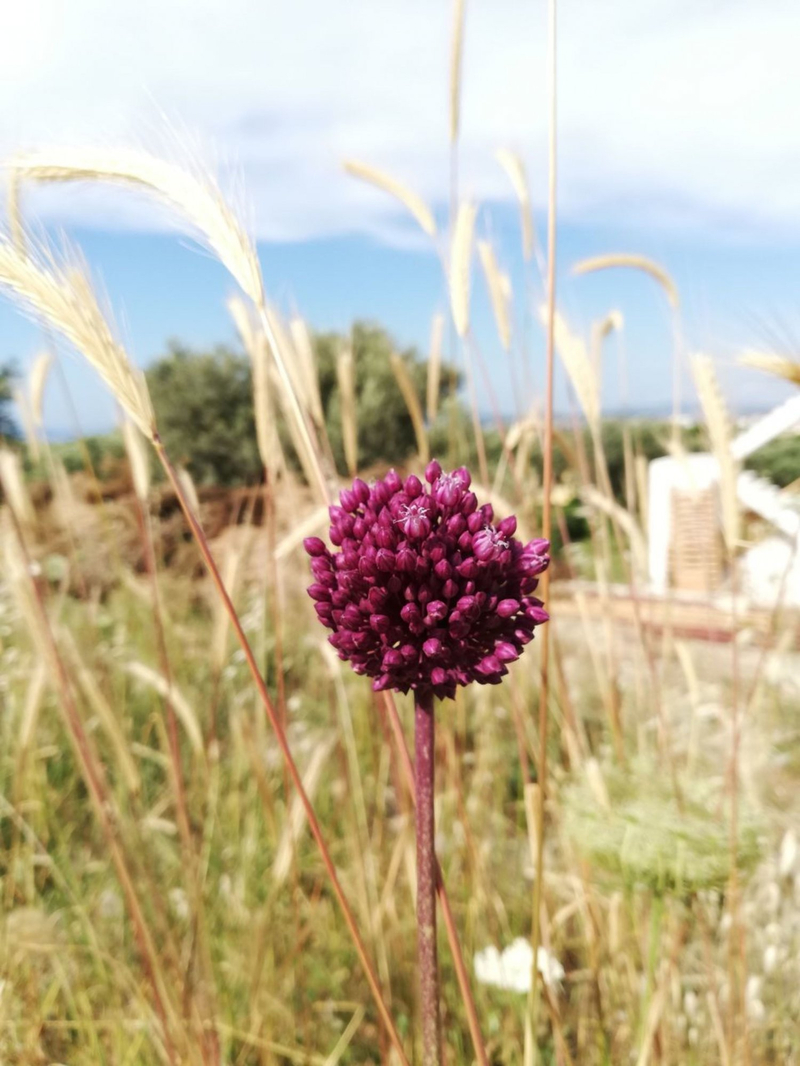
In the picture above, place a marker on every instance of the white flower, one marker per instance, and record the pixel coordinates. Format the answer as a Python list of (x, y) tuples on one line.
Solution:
[(788, 853), (771, 958), (511, 970), (179, 904), (752, 990)]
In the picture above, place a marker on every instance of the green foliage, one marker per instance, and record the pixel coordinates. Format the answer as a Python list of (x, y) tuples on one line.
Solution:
[(204, 409), (778, 461), (105, 451), (645, 838), (7, 425), (204, 405), (385, 432)]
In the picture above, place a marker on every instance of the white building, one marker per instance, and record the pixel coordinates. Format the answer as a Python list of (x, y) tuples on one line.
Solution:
[(682, 491)]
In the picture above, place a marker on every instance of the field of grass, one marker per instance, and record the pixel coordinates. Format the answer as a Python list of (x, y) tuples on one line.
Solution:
[(253, 953), (624, 808)]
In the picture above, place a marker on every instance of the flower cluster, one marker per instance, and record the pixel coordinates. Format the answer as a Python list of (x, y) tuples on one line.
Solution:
[(425, 591)]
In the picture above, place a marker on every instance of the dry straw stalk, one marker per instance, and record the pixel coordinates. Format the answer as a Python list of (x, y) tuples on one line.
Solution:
[(345, 373), (434, 366), (406, 386), (635, 262), (719, 431), (412, 201), (514, 168), (64, 298), (498, 287), (460, 266)]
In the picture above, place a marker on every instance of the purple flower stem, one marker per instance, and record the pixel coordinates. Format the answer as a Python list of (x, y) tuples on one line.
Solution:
[(426, 879)]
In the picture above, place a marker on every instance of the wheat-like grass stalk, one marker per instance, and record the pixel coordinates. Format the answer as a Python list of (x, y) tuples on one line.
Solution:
[(602, 329), (456, 58), (434, 366), (37, 380), (498, 285), (345, 374), (28, 425), (231, 573), (575, 357), (720, 434), (605, 503), (772, 363), (30, 600), (255, 344), (189, 488), (63, 496), (194, 194), (103, 711), (184, 710), (406, 386), (515, 169), (635, 262), (63, 297), (14, 488), (412, 201), (185, 186), (294, 825), (460, 266), (285, 345), (307, 362), (531, 1018), (30, 710), (139, 459)]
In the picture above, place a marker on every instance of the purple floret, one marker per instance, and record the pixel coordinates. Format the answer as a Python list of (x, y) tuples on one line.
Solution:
[(425, 591)]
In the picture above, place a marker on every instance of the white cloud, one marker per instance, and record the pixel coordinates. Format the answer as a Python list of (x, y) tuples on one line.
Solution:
[(671, 113)]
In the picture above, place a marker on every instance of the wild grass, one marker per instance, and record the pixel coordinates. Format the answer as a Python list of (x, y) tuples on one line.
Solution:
[(171, 732)]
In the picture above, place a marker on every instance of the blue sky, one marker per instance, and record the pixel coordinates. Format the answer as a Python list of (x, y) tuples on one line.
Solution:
[(675, 141)]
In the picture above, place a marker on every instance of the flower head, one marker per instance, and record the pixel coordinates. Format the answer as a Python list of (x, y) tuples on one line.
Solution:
[(426, 591)]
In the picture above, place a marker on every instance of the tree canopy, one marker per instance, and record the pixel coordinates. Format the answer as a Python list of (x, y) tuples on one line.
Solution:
[(7, 425), (204, 404)]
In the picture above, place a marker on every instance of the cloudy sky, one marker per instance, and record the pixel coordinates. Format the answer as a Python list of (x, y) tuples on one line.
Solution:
[(677, 126)]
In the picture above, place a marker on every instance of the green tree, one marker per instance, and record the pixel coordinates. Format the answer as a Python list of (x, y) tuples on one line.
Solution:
[(204, 405), (7, 425), (778, 461), (385, 432), (204, 409)]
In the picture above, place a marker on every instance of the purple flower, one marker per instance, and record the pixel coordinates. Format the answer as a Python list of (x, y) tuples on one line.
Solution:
[(425, 591)]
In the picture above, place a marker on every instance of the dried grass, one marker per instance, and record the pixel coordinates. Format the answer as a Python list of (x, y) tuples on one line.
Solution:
[(575, 357), (28, 424), (460, 266), (312, 776), (772, 363), (14, 488), (255, 344), (435, 366), (498, 285), (456, 57), (407, 197), (345, 374), (189, 488), (63, 297), (635, 262), (37, 380), (515, 169), (186, 187), (406, 386), (139, 459), (184, 710), (307, 362), (720, 434)]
